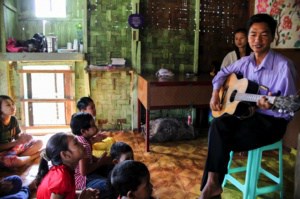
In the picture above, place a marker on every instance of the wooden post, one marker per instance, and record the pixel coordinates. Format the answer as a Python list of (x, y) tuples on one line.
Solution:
[(2, 28), (84, 26), (297, 171), (196, 40)]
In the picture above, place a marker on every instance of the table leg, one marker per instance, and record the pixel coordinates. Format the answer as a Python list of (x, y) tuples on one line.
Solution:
[(147, 130), (139, 107)]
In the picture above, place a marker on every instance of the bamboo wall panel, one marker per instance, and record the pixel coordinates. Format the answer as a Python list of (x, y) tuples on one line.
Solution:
[(168, 42), (172, 15), (10, 18), (109, 34), (218, 20)]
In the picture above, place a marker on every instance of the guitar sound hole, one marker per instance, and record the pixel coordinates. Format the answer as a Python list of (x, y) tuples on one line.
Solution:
[(232, 96)]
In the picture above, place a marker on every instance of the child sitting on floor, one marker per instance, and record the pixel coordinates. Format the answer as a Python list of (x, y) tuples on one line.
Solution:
[(86, 174), (87, 105), (11, 187), (101, 142), (131, 179), (64, 151), (16, 148), (119, 152)]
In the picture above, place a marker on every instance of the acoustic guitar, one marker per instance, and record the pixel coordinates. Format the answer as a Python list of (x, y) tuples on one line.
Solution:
[(237, 95)]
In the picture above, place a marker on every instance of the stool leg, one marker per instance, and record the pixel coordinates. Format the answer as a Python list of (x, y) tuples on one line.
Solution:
[(253, 173), (278, 180), (253, 170), (280, 160), (248, 175)]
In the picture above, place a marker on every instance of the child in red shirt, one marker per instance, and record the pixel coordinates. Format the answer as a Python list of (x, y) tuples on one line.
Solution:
[(64, 151)]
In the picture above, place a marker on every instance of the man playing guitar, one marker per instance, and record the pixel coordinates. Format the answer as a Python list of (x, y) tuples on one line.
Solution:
[(266, 126)]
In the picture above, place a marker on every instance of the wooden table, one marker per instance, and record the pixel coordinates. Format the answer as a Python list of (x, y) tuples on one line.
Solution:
[(176, 92)]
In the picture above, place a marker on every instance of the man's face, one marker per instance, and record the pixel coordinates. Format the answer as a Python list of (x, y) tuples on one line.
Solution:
[(260, 38)]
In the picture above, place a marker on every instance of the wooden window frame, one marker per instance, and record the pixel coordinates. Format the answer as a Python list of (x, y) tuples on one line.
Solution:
[(68, 100)]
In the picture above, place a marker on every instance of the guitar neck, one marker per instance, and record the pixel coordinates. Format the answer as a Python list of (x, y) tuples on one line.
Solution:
[(252, 97)]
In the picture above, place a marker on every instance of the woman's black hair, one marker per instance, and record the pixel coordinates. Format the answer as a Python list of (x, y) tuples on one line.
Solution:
[(56, 144), (80, 121), (83, 103), (236, 49), (265, 18), (119, 148), (127, 176)]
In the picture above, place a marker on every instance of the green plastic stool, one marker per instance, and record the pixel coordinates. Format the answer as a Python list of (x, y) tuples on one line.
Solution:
[(253, 169)]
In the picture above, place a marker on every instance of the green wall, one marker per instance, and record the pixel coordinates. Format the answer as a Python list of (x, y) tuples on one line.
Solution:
[(109, 35), (108, 32), (168, 48)]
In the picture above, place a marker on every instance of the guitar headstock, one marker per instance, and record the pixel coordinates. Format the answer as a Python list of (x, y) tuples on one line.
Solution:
[(289, 104)]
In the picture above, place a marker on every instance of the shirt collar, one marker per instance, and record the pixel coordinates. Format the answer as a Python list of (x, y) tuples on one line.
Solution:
[(267, 62)]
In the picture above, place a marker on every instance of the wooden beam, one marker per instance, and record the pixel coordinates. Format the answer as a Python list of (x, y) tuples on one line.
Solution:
[(55, 100), (46, 71), (196, 40), (38, 56), (2, 28), (12, 8)]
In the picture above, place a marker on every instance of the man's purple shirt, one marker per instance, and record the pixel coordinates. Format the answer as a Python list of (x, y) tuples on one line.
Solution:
[(276, 72)]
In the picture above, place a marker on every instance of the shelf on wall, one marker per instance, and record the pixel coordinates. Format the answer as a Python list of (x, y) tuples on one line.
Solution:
[(42, 56), (93, 68)]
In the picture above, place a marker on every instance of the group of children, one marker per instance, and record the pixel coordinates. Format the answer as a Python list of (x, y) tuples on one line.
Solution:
[(67, 163)]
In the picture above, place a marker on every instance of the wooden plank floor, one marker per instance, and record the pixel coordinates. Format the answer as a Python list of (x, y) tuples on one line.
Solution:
[(176, 167)]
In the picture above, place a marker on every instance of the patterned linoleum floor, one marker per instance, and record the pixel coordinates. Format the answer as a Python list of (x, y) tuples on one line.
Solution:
[(176, 167)]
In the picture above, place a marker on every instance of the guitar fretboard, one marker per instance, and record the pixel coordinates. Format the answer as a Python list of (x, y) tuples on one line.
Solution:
[(252, 97)]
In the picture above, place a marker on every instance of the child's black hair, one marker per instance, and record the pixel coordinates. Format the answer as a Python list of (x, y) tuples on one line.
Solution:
[(3, 98), (80, 121), (119, 148), (127, 176), (56, 144), (83, 103)]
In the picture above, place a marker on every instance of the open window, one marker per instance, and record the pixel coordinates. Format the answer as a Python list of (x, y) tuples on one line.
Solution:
[(50, 8), (48, 96)]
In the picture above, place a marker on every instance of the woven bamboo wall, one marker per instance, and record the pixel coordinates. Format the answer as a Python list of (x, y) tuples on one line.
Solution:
[(218, 20), (109, 34), (111, 92), (10, 17), (168, 35)]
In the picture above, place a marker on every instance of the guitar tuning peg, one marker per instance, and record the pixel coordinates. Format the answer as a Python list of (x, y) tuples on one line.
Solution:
[(280, 110), (292, 114)]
